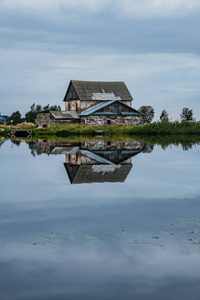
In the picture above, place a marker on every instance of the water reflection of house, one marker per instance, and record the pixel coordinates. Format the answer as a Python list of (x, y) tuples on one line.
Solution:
[(95, 161), (85, 166)]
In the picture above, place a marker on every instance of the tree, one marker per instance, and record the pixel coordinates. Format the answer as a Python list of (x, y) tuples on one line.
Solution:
[(45, 109), (55, 107), (35, 109), (148, 112), (187, 114), (16, 117), (164, 117), (31, 115), (38, 108)]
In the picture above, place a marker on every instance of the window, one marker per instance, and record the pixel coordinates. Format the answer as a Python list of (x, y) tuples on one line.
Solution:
[(116, 109), (69, 106), (76, 107)]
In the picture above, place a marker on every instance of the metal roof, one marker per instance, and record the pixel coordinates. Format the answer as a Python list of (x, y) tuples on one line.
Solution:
[(101, 91), (2, 118), (97, 107), (64, 114)]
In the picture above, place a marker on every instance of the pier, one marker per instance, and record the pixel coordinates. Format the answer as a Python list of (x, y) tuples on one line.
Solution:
[(20, 133)]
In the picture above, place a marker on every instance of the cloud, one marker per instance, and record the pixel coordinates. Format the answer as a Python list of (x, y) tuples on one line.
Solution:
[(135, 9), (165, 81), (44, 44), (159, 8)]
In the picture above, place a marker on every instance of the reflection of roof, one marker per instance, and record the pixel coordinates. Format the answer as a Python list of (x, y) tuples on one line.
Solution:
[(94, 109), (97, 173), (98, 158), (64, 114), (64, 150), (117, 157), (98, 90), (111, 166)]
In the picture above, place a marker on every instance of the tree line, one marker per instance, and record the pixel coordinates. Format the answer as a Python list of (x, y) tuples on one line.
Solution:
[(30, 116), (148, 111)]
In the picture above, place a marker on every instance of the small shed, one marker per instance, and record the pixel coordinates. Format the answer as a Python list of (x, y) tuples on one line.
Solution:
[(56, 117), (63, 117), (2, 120)]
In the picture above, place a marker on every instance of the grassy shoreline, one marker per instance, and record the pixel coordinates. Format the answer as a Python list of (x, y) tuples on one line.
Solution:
[(152, 129)]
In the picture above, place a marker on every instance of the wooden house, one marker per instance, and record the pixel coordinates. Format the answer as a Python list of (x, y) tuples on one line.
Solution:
[(95, 103), (101, 103)]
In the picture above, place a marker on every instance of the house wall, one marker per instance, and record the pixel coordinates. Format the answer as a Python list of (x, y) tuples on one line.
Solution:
[(64, 121), (129, 103), (72, 94), (43, 119), (79, 159), (111, 120), (94, 145), (116, 108), (79, 105)]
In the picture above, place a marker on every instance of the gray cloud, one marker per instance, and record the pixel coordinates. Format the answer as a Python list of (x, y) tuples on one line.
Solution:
[(45, 44)]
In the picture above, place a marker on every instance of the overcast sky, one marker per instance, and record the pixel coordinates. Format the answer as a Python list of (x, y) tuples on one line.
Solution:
[(151, 45)]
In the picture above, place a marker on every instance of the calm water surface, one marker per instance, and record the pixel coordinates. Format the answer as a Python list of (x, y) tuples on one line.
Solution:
[(91, 221)]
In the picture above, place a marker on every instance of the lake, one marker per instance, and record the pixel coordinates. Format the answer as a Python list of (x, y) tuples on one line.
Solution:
[(99, 220)]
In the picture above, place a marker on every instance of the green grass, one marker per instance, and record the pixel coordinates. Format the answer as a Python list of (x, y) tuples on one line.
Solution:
[(156, 128), (166, 128), (152, 129)]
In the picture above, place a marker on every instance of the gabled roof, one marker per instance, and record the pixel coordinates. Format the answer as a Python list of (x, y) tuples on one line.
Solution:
[(101, 91), (64, 114), (94, 109)]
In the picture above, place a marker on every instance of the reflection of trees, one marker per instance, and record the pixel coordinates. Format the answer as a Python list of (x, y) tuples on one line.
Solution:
[(148, 148), (187, 147), (33, 147), (185, 141), (16, 142)]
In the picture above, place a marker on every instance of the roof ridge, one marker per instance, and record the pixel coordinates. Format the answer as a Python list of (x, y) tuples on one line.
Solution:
[(104, 104)]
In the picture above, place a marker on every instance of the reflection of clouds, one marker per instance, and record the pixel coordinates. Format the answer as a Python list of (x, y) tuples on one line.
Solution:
[(97, 269), (127, 258), (82, 242), (173, 171)]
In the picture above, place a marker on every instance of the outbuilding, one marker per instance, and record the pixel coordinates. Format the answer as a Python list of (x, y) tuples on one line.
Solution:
[(2, 120)]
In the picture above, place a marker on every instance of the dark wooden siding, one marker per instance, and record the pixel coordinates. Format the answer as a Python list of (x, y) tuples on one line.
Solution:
[(72, 94), (116, 108)]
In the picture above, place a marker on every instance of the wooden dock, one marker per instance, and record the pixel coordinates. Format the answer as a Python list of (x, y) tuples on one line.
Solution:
[(15, 133)]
